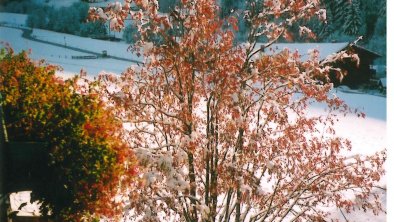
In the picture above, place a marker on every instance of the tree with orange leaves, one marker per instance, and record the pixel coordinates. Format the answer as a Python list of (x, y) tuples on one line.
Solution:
[(86, 162), (221, 129)]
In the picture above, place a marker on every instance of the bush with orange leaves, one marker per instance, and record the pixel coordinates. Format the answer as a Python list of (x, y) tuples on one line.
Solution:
[(89, 164)]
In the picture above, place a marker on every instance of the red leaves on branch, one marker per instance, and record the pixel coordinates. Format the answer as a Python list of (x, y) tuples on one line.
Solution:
[(221, 130)]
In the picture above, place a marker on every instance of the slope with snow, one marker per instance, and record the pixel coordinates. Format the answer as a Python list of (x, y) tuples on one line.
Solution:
[(119, 49), (61, 56), (13, 18)]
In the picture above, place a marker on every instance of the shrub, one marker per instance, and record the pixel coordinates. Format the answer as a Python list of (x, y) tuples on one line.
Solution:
[(88, 161)]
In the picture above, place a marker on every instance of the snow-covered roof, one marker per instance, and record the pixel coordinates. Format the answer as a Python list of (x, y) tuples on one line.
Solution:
[(365, 50), (325, 49)]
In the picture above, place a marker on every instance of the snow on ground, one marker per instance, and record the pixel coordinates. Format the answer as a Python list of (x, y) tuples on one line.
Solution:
[(13, 18), (23, 197), (360, 216), (118, 49), (367, 135), (62, 56)]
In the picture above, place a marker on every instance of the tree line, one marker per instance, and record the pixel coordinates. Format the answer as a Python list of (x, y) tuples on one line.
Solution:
[(71, 19)]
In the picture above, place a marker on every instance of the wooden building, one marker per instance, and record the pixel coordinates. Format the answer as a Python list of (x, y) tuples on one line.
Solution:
[(355, 74)]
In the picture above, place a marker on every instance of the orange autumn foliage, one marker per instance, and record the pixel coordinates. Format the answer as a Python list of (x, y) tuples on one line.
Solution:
[(89, 163), (222, 128)]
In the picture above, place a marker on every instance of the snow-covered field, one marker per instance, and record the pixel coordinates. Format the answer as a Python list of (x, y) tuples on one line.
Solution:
[(368, 135), (13, 18), (62, 56), (118, 49)]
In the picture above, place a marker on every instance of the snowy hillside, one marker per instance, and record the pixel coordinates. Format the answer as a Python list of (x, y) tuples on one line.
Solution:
[(61, 56), (118, 49), (11, 33), (12, 19)]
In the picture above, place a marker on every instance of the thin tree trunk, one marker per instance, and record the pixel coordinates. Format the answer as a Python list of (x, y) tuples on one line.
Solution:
[(193, 187), (238, 177)]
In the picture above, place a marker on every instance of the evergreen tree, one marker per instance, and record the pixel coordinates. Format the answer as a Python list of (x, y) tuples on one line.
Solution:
[(336, 10), (372, 10), (376, 38), (352, 18)]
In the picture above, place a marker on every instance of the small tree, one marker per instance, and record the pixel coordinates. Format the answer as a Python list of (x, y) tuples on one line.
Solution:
[(88, 162), (222, 130)]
